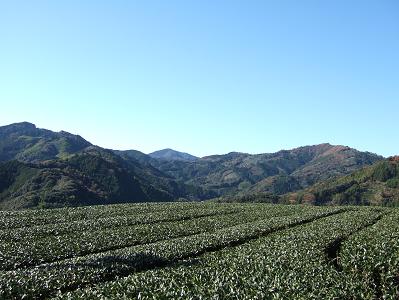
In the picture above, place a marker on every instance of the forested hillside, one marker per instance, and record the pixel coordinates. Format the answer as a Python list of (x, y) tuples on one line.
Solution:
[(374, 185), (42, 168)]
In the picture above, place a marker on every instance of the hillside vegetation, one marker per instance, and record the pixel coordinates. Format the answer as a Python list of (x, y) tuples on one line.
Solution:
[(79, 180), (47, 169), (25, 142), (41, 168), (374, 185), (170, 154), (278, 173)]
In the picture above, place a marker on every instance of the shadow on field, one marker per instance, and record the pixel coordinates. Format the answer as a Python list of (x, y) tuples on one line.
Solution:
[(107, 268), (135, 262), (119, 265)]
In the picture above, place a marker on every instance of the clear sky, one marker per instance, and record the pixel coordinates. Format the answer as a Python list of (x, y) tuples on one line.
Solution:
[(205, 77)]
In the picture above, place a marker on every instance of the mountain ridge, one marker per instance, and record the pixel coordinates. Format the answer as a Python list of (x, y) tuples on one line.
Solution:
[(75, 172), (25, 142), (241, 172), (170, 154), (105, 175)]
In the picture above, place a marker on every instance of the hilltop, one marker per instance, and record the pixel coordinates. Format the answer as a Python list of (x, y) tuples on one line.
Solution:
[(24, 142), (170, 154)]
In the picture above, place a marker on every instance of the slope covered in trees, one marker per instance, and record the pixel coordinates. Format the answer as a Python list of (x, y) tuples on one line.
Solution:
[(24, 142), (278, 173), (42, 168), (374, 185)]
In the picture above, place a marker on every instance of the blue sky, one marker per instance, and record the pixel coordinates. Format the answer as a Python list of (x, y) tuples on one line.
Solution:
[(204, 77)]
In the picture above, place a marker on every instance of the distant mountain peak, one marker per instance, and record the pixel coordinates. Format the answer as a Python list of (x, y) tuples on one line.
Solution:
[(25, 142), (170, 154), (20, 125), (24, 124)]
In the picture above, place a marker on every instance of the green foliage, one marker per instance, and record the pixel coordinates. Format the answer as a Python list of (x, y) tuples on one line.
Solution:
[(384, 171), (371, 258), (285, 184), (393, 183), (278, 173), (278, 265), (125, 239), (170, 154), (25, 142), (92, 177), (374, 185), (248, 198), (83, 180), (74, 172), (200, 250)]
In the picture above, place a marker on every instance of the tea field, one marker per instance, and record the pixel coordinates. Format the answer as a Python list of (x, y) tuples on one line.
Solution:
[(200, 251)]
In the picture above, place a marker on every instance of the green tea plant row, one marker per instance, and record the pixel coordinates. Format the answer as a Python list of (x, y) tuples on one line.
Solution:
[(35, 232), (371, 258), (33, 250), (289, 264), (27, 218), (47, 279)]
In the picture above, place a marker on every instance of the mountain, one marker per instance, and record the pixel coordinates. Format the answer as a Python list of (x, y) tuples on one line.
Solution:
[(94, 176), (80, 180), (24, 142), (42, 168), (277, 173), (137, 156), (373, 185), (170, 154)]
